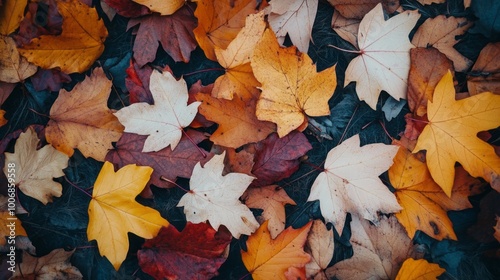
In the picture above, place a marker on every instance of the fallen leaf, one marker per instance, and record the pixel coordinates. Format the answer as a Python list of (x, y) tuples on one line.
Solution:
[(164, 120), (50, 79), (239, 79), (215, 198), (346, 28), (427, 68), (198, 247), (485, 74), (137, 83), (3, 120), (414, 126), (236, 118), (11, 15), (161, 6), (419, 270), (350, 182), (55, 265), (113, 211), (450, 135), (80, 118), (128, 8), (174, 32), (199, 119), (79, 45), (13, 67), (392, 108), (239, 162), (441, 32), (291, 87), (384, 60), (424, 203), (272, 200), (34, 169), (49, 23), (353, 9), (6, 216), (379, 251), (268, 258), (320, 245), (295, 18), (219, 22), (487, 23), (278, 158), (165, 162)]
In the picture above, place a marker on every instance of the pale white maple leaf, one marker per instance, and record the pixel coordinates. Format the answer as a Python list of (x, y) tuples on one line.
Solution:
[(350, 182), (164, 120), (215, 197), (384, 60), (294, 17)]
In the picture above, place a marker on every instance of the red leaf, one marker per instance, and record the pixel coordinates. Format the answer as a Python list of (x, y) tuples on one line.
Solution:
[(128, 8), (175, 33), (167, 163), (199, 120), (414, 125), (278, 158), (137, 83), (51, 79), (194, 253)]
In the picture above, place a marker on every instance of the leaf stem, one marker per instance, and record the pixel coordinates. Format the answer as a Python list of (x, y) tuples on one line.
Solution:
[(203, 154), (345, 50), (77, 187), (203, 71), (174, 183)]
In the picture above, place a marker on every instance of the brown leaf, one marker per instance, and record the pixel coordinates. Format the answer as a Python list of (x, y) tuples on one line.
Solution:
[(346, 28), (485, 74), (13, 67), (55, 265), (128, 8), (320, 245)]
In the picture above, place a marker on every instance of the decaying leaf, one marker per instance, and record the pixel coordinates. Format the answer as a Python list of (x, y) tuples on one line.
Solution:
[(295, 18), (215, 198), (320, 245), (268, 258), (384, 60), (272, 200), (164, 120), (419, 270), (450, 135), (379, 251), (55, 265), (291, 87), (34, 169), (113, 211), (13, 67), (485, 74), (79, 45), (441, 32), (11, 14), (350, 182), (80, 118)]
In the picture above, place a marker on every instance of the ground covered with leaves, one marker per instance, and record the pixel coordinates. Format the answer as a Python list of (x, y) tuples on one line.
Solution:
[(241, 139)]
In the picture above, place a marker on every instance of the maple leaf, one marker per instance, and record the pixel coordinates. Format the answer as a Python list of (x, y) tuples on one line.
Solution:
[(51, 79), (346, 28), (239, 79), (14, 68), (36, 168), (214, 197), (113, 211), (384, 59), (419, 269), (164, 120), (353, 9), (291, 87), (175, 33), (268, 258), (238, 124), (161, 6), (379, 251), (79, 45), (427, 68), (450, 135), (198, 247), (31, 26), (440, 32), (11, 15), (128, 8), (485, 74), (278, 158), (320, 245), (81, 119), (55, 265), (272, 200), (137, 83), (219, 22), (295, 18), (424, 203), (350, 182), (165, 163)]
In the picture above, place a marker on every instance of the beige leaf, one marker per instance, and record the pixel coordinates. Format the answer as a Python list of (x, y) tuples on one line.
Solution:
[(485, 74), (346, 28), (13, 67), (320, 245), (55, 265), (34, 169)]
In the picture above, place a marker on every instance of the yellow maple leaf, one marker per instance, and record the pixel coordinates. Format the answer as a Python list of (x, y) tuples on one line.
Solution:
[(268, 258), (419, 270), (291, 87), (79, 45), (113, 211), (451, 135), (161, 6)]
